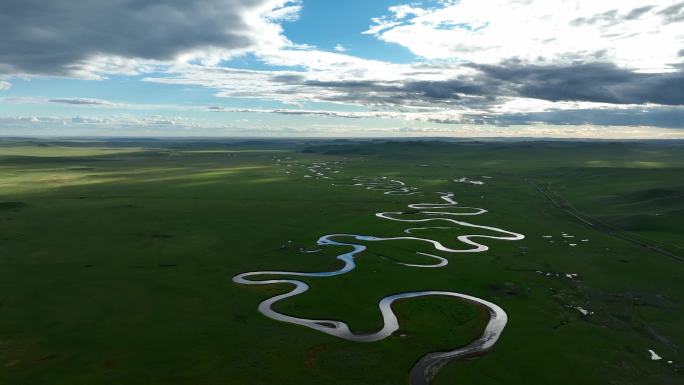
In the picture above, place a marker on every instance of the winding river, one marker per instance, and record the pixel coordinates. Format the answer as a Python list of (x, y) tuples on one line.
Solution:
[(425, 369)]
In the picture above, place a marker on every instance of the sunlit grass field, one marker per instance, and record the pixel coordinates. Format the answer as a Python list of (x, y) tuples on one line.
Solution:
[(116, 260)]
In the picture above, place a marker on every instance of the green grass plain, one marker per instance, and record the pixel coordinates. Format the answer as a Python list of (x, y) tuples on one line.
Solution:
[(116, 258)]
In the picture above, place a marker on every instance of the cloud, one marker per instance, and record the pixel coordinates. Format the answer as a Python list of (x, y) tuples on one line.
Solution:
[(558, 32), (156, 126), (5, 85), (638, 12), (99, 104), (572, 67), (467, 94), (531, 61), (82, 101), (652, 117), (484, 86), (595, 82), (85, 38), (327, 113), (673, 13), (324, 76), (106, 121), (288, 12), (664, 117)]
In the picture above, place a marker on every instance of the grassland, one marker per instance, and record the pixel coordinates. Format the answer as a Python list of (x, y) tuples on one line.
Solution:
[(116, 260)]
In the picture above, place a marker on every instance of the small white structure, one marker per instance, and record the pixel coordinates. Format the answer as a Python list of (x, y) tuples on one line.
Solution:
[(654, 355)]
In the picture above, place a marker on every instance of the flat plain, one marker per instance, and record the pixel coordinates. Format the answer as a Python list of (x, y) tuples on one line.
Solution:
[(117, 259)]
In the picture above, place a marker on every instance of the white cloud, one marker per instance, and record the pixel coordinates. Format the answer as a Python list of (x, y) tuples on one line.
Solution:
[(107, 121), (286, 12), (639, 34), (340, 48), (146, 126), (5, 85), (402, 11)]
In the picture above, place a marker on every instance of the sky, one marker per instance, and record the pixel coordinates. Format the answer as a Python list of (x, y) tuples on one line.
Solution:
[(353, 68)]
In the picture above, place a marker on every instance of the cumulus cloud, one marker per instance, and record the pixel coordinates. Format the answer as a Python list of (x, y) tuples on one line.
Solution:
[(559, 76), (528, 62), (557, 32), (99, 36), (5, 85)]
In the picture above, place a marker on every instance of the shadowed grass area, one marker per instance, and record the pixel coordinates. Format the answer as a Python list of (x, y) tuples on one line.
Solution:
[(116, 260)]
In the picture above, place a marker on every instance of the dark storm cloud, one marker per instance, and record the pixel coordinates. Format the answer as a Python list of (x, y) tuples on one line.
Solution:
[(396, 93), (451, 88), (467, 91), (48, 36), (596, 82)]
